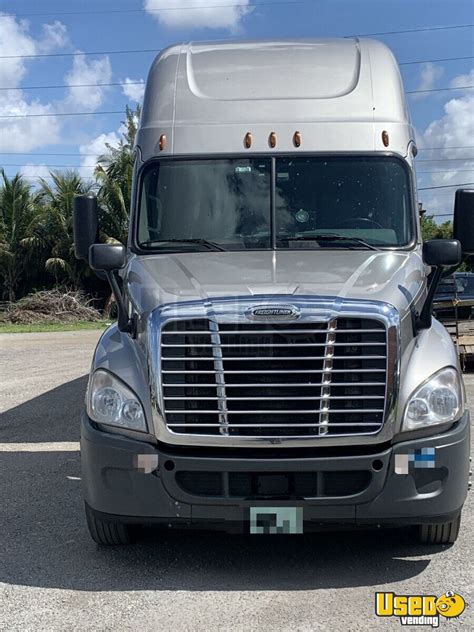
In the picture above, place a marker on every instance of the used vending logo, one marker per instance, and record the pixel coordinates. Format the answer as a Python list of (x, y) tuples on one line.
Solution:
[(419, 609)]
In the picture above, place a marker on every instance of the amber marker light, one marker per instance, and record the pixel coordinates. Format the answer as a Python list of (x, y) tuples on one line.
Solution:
[(248, 140), (297, 139), (162, 143), (385, 139)]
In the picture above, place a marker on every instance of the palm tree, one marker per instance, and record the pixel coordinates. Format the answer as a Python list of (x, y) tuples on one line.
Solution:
[(17, 209), (51, 229), (114, 174)]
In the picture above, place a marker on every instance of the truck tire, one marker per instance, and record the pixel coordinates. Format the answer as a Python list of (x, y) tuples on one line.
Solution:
[(442, 533), (107, 532)]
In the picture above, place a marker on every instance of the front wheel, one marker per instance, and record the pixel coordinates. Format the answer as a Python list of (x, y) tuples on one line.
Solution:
[(441, 533), (107, 532)]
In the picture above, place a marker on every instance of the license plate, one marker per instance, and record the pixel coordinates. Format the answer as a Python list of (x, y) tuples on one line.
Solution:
[(276, 520)]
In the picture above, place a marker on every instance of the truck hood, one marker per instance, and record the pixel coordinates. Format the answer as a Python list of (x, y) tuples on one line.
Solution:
[(392, 277)]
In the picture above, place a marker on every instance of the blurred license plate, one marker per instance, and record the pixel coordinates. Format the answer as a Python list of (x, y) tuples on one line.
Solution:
[(276, 520)]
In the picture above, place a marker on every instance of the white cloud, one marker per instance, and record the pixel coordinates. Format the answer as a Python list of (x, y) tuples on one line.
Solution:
[(454, 129), (31, 170), (461, 81), (132, 90), (198, 13), (24, 134), (14, 40), (430, 73), (92, 72), (95, 147), (54, 37)]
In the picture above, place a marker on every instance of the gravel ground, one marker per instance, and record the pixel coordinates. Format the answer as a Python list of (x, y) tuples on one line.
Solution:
[(53, 577)]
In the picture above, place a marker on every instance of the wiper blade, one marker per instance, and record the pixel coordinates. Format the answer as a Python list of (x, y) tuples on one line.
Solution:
[(330, 237), (200, 242)]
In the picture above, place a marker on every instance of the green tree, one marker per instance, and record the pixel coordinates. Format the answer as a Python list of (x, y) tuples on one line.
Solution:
[(114, 175), (18, 206), (431, 230), (51, 228)]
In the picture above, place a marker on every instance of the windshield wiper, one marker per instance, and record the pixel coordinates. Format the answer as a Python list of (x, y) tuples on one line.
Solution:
[(330, 237), (200, 242)]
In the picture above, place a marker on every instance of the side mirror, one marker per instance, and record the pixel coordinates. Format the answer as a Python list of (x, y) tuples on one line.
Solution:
[(85, 224), (107, 257), (439, 253), (442, 252), (463, 228)]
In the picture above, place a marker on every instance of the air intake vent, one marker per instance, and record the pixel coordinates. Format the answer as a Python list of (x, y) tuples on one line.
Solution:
[(274, 380)]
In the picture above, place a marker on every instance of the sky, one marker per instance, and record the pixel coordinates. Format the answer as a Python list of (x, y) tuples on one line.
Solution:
[(37, 39)]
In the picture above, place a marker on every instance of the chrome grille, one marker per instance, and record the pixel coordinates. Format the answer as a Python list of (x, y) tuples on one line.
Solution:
[(274, 380)]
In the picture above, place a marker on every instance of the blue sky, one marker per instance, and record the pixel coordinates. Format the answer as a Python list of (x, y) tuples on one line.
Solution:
[(442, 119)]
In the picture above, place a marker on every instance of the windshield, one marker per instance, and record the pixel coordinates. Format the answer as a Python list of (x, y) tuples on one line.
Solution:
[(283, 202)]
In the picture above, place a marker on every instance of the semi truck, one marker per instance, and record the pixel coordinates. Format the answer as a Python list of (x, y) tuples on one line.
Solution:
[(275, 366)]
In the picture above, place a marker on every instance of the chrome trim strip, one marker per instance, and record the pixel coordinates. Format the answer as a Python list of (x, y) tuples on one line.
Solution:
[(220, 379)]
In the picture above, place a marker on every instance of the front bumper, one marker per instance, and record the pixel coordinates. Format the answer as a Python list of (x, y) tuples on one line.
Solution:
[(117, 484)]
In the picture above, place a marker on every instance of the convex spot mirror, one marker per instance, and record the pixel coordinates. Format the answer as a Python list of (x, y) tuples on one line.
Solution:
[(85, 224), (107, 257), (442, 252), (463, 228)]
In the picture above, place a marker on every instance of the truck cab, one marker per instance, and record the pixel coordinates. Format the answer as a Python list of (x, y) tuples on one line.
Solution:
[(275, 367)]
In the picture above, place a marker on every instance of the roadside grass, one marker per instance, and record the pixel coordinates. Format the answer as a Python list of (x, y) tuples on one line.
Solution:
[(10, 328)]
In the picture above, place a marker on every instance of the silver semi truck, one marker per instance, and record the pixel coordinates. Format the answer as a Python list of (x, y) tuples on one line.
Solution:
[(275, 366)]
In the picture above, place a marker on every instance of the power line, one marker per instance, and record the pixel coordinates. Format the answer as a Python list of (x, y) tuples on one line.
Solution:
[(23, 116), (466, 159), (447, 171), (162, 10), (418, 30), (142, 82), (156, 50), (447, 186), (10, 164), (433, 61), (450, 147), (439, 90), (79, 85), (42, 153)]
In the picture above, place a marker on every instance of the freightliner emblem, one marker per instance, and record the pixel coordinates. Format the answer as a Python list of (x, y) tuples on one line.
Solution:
[(273, 312)]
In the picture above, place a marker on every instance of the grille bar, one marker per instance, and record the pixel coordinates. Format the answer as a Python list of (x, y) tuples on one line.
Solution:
[(293, 425), (266, 384), (238, 332), (347, 411), (259, 358), (291, 379), (180, 372), (267, 399), (296, 344)]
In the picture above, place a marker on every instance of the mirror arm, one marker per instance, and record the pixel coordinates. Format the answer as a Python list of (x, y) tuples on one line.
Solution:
[(423, 320), (124, 323)]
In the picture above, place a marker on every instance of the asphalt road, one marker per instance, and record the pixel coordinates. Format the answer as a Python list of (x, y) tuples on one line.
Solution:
[(53, 577)]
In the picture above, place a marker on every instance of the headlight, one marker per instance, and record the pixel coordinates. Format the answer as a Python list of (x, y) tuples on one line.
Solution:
[(436, 401), (112, 403)]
